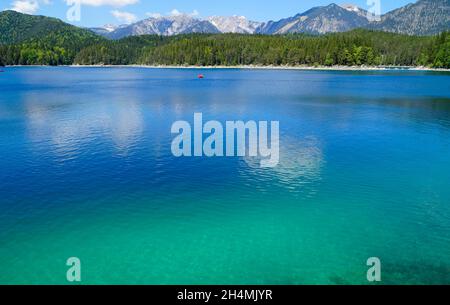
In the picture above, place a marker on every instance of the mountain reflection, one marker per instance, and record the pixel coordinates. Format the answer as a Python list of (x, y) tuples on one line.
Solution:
[(68, 128)]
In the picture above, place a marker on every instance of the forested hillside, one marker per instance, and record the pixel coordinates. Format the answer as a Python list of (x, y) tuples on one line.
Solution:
[(27, 39), (119, 52), (355, 48)]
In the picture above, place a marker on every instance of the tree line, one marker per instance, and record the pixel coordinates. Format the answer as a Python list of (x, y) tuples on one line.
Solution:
[(354, 48)]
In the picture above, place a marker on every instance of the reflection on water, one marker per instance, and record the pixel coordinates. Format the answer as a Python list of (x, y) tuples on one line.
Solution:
[(126, 126), (87, 170), (300, 163), (66, 134)]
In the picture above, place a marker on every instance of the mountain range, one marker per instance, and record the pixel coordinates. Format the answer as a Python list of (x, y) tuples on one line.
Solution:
[(425, 17), (319, 20)]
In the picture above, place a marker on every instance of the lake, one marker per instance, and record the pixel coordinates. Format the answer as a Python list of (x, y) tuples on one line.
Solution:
[(87, 171)]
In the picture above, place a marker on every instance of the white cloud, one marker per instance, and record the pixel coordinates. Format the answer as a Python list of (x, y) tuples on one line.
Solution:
[(115, 3), (25, 6), (124, 17), (176, 12)]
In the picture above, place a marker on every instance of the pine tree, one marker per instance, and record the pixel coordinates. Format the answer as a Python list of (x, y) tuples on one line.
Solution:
[(329, 60)]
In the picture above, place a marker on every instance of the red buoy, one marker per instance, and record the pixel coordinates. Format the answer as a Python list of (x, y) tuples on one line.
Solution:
[(201, 76)]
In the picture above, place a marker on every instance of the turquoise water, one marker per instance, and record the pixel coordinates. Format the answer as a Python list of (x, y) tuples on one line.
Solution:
[(86, 170)]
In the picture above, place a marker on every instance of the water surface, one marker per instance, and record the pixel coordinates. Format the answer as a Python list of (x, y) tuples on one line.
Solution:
[(86, 171)]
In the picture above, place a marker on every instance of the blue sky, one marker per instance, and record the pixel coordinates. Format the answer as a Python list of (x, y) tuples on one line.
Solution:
[(100, 12)]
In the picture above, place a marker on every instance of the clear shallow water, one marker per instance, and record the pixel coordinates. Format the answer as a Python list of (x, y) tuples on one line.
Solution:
[(86, 171)]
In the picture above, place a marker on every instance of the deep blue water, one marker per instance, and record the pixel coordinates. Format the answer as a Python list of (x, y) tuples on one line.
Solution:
[(87, 171)]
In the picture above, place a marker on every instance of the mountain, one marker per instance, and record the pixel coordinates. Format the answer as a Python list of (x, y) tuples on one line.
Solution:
[(106, 29), (16, 27), (234, 24), (165, 26), (353, 8), (319, 20), (425, 17), (272, 27)]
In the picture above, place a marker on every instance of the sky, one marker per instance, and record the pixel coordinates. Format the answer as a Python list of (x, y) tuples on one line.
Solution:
[(100, 12)]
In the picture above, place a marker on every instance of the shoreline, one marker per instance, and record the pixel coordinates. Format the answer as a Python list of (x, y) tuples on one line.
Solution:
[(252, 67)]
